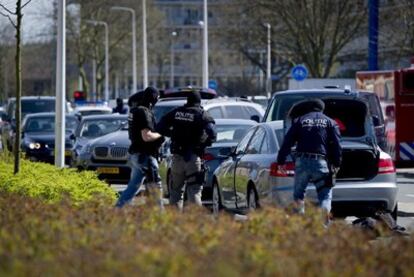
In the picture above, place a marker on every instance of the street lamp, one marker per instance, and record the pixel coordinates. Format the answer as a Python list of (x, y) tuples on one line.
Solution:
[(60, 86), (173, 35), (134, 45), (268, 70), (144, 44), (102, 23), (205, 44)]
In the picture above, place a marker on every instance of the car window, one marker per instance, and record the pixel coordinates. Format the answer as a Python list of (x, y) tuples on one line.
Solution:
[(47, 124), (252, 111), (100, 127), (375, 107), (243, 143), (231, 133), (216, 112), (160, 111), (256, 142), (236, 112), (265, 149)]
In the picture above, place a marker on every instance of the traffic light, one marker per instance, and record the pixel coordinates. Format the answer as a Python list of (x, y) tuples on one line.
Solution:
[(79, 96)]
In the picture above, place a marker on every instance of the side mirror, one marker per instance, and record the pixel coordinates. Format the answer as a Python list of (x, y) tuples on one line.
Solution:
[(226, 152), (376, 121), (255, 118)]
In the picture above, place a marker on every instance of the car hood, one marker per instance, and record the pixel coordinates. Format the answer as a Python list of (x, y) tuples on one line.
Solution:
[(44, 137), (119, 138)]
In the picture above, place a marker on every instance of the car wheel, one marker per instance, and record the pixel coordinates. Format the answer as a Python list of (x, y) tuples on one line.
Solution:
[(216, 199), (394, 213), (252, 199)]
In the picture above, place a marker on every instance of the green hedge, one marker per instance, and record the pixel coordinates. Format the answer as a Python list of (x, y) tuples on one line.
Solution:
[(51, 184)]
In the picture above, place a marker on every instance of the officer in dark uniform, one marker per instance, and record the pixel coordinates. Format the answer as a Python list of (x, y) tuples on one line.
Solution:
[(145, 143), (318, 152), (119, 107), (191, 130)]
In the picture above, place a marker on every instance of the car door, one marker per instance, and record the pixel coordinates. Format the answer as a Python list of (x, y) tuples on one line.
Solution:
[(247, 167), (227, 170)]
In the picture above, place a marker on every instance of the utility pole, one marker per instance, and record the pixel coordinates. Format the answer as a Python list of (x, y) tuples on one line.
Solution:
[(173, 35), (373, 35), (60, 86), (205, 45), (144, 44), (269, 69)]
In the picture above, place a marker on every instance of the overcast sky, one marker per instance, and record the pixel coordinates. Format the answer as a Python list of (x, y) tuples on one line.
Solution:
[(37, 19)]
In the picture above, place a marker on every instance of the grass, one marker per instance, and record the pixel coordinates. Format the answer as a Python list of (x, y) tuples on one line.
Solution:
[(93, 238)]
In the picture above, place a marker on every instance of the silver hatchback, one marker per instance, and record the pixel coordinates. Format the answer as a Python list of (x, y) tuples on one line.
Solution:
[(366, 181)]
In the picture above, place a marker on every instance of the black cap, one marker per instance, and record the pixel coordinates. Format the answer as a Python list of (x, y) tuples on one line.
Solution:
[(194, 99)]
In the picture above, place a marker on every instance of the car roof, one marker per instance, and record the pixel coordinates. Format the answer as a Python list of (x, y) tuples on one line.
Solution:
[(34, 98), (47, 114), (92, 108), (104, 116), (226, 121), (204, 102), (324, 91)]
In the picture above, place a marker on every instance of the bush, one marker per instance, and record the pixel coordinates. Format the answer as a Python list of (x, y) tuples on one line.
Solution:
[(51, 184), (94, 239)]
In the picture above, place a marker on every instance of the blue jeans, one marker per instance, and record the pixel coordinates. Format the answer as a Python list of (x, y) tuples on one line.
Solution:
[(312, 170), (142, 166)]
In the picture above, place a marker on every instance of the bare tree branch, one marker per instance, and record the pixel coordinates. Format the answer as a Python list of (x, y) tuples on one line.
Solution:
[(25, 4), (10, 19), (6, 9)]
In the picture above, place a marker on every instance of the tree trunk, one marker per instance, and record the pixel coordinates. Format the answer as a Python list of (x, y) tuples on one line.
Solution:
[(18, 88)]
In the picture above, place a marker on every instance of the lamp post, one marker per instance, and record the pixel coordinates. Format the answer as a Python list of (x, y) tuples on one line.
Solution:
[(268, 70), (134, 45), (144, 44), (205, 44), (60, 86), (173, 35), (102, 23)]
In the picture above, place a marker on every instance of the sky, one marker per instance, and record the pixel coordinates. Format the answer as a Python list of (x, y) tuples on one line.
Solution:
[(37, 19)]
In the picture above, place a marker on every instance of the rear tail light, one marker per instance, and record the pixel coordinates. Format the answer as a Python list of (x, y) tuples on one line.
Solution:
[(208, 157), (290, 170), (386, 166)]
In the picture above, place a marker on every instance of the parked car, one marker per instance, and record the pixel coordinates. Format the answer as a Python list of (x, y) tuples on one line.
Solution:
[(94, 126), (85, 110), (38, 137), (231, 108), (366, 181), (29, 105), (108, 156), (205, 93), (282, 101), (229, 133)]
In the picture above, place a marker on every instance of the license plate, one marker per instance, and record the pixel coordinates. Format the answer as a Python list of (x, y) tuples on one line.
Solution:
[(68, 153), (108, 170)]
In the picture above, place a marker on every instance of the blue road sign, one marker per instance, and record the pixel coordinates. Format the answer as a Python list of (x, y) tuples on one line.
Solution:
[(299, 72), (212, 84)]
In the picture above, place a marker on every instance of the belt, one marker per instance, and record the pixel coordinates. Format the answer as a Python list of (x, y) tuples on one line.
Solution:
[(312, 156)]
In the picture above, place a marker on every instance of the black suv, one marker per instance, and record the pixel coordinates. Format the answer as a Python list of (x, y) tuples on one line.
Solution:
[(30, 104), (282, 101)]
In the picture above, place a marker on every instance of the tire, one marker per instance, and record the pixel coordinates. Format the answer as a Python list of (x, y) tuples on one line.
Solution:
[(216, 199), (252, 199), (394, 213)]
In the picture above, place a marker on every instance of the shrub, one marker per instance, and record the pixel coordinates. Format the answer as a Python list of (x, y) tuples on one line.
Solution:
[(93, 239), (52, 184)]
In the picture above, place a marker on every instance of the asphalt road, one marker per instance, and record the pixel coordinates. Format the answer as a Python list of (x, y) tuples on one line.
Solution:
[(405, 182)]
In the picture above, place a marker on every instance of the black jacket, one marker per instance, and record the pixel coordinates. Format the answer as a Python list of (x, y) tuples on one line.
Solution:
[(315, 133)]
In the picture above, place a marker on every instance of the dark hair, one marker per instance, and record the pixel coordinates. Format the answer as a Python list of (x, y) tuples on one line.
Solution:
[(194, 99), (306, 106)]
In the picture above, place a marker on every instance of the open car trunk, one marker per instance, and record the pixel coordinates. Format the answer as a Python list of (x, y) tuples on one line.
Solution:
[(359, 153)]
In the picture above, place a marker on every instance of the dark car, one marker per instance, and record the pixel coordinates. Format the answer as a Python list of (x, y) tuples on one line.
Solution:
[(94, 126), (38, 137), (229, 134), (282, 101)]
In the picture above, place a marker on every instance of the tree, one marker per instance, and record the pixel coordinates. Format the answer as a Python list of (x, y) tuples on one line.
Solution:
[(5, 11), (312, 32)]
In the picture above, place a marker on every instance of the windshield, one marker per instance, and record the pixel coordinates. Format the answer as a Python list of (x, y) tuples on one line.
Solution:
[(47, 124), (35, 106), (100, 127), (231, 133), (160, 111)]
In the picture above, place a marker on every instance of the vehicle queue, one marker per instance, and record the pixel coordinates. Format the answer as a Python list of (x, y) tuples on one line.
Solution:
[(245, 174)]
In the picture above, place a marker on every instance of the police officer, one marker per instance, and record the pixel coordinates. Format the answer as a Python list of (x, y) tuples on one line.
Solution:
[(318, 148), (191, 130), (145, 143), (119, 107)]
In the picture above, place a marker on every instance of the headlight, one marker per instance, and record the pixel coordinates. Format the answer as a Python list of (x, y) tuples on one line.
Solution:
[(86, 149), (34, 145)]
